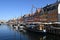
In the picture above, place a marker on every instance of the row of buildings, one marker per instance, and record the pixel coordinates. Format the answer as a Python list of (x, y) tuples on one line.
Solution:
[(49, 13)]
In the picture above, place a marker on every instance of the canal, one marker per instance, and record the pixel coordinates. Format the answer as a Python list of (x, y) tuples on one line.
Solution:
[(8, 33)]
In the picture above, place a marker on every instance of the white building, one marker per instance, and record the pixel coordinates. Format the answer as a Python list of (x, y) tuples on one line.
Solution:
[(59, 12)]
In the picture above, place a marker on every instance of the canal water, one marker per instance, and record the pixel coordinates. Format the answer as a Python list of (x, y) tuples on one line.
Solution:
[(7, 33)]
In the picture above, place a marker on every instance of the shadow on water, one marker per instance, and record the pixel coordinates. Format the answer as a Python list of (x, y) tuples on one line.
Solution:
[(52, 37), (37, 36), (34, 36)]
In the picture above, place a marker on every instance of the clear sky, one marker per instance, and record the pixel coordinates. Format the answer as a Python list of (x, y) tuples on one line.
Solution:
[(15, 8)]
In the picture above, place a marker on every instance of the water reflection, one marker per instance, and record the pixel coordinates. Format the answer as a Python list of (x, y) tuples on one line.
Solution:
[(34, 36), (9, 33), (52, 37)]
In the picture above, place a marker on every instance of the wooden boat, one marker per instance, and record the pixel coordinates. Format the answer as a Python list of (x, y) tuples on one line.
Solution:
[(36, 28)]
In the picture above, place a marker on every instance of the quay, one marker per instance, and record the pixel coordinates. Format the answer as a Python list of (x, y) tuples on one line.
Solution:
[(46, 19), (53, 28)]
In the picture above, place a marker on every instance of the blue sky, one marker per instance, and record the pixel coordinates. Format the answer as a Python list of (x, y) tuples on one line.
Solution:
[(15, 8)]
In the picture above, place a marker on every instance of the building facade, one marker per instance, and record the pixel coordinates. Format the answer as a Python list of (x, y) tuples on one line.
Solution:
[(59, 12), (48, 13)]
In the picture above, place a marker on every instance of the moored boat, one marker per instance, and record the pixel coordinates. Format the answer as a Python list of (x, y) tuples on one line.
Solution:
[(53, 29), (36, 28), (0, 24)]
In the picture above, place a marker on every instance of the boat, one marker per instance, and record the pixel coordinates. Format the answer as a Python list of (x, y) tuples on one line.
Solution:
[(53, 29), (21, 27), (35, 28), (0, 24)]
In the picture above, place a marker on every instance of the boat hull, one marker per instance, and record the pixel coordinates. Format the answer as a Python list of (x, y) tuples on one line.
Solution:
[(37, 31)]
